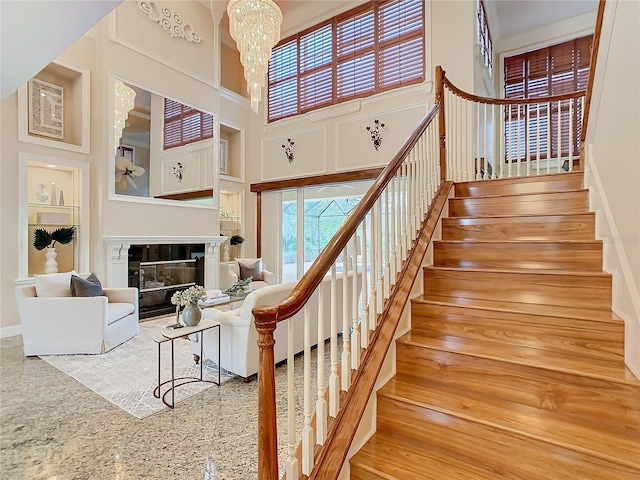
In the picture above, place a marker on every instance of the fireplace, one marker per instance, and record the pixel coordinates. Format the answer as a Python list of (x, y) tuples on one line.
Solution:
[(160, 270), (160, 265)]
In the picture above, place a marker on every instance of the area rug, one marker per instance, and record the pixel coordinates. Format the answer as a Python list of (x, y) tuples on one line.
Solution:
[(127, 375)]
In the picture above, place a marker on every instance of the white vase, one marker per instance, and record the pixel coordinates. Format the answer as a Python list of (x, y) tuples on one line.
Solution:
[(225, 252), (50, 266)]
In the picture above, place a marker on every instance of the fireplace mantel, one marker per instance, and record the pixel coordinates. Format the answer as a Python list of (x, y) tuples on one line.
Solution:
[(118, 255)]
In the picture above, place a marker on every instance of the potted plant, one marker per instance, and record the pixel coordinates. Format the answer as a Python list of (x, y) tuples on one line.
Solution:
[(236, 240), (44, 239)]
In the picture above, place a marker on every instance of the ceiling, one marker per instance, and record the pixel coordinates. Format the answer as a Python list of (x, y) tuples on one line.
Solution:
[(36, 31)]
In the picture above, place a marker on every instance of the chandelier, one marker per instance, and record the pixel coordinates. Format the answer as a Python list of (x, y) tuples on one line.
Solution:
[(124, 102), (255, 26)]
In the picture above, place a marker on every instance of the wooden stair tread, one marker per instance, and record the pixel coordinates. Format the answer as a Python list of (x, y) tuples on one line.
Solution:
[(504, 453), (524, 308), (529, 196), (611, 444), (379, 458), (613, 370), (541, 216), (551, 273), (523, 242)]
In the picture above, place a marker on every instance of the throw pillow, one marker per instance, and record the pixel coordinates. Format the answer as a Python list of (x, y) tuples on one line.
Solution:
[(250, 267), (53, 284), (86, 287)]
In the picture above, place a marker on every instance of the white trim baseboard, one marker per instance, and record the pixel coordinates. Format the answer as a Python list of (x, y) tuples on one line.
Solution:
[(10, 331)]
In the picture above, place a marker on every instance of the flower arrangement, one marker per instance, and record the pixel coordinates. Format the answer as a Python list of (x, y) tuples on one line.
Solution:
[(239, 285), (190, 296), (236, 240)]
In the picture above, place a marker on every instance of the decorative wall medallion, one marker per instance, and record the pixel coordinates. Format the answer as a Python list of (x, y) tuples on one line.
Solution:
[(46, 109), (177, 171), (375, 133), (288, 150), (170, 21)]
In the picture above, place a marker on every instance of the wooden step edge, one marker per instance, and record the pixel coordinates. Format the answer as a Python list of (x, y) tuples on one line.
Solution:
[(514, 431), (528, 215), (629, 378), (448, 465), (514, 196), (578, 315), (519, 271), (524, 242), (522, 179)]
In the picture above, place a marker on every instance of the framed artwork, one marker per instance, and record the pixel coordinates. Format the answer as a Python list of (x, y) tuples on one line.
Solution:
[(223, 156), (46, 109)]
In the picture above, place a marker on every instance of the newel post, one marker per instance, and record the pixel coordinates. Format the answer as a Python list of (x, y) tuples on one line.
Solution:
[(441, 122), (267, 427)]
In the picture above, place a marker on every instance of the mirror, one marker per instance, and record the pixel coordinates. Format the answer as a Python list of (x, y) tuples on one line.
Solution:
[(165, 150)]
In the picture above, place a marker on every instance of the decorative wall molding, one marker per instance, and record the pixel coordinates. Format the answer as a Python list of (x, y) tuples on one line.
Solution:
[(171, 21)]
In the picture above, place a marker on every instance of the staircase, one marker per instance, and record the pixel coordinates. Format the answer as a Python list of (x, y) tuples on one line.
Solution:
[(514, 365)]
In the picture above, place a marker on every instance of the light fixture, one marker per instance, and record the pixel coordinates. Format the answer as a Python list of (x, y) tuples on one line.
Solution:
[(124, 96), (255, 26)]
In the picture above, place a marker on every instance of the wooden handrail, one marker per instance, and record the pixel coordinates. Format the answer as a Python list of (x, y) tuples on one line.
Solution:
[(592, 70), (508, 101), (307, 285), (266, 318)]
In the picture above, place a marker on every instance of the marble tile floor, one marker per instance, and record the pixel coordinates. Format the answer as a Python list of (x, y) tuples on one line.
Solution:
[(54, 428)]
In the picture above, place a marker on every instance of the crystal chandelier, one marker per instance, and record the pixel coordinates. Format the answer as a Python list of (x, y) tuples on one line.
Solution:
[(124, 102), (255, 26)]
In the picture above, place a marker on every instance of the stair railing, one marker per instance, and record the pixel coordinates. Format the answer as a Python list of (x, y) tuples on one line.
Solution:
[(491, 138), (353, 276)]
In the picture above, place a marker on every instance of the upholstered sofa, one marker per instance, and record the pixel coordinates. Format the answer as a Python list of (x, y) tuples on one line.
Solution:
[(239, 347), (76, 325)]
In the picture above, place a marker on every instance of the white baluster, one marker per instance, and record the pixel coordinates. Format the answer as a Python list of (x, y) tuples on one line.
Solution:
[(527, 140), (355, 326), (345, 368), (549, 120), (292, 468), (321, 402), (485, 172), (502, 110), (571, 143), (379, 259), (307, 432), (510, 143), (372, 277), (386, 278), (394, 228), (364, 322), (559, 167), (334, 379), (518, 130), (496, 163), (538, 139)]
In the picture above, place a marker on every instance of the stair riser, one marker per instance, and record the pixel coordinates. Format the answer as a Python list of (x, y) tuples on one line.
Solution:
[(552, 227), (523, 255), (555, 336), (541, 204), (583, 397), (492, 448), (514, 186), (580, 291)]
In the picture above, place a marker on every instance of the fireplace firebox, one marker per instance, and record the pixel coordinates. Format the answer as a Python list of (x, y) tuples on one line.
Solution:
[(159, 270)]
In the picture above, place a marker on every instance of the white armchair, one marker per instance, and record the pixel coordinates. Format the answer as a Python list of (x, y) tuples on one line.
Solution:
[(73, 325), (234, 274)]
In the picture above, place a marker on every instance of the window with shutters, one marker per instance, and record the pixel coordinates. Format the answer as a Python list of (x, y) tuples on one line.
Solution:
[(484, 37), (554, 70), (375, 47), (184, 125)]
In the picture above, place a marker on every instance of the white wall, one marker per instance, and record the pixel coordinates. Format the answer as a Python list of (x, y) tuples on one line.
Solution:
[(613, 169)]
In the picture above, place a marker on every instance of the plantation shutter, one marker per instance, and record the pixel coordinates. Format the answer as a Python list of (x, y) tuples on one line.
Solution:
[(283, 80), (184, 125), (401, 43), (316, 75), (554, 70)]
